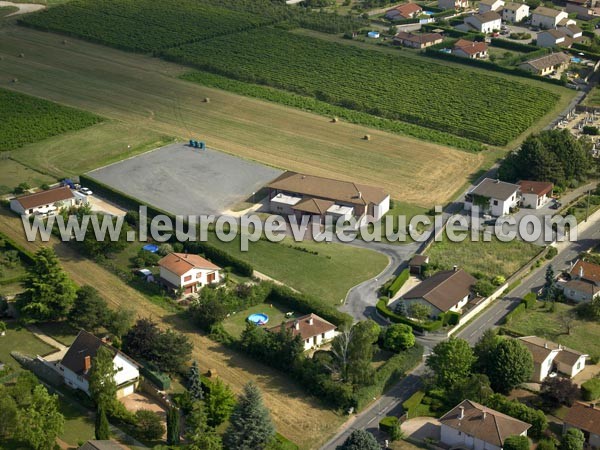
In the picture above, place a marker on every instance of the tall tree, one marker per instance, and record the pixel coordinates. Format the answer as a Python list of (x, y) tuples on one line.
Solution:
[(173, 426), (41, 422), (101, 426), (102, 384), (120, 321), (195, 382), (510, 365), (360, 440), (172, 350), (140, 339), (484, 349), (476, 387), (398, 337), (516, 443), (451, 361), (220, 402), (9, 413), (90, 311), (573, 439), (250, 426), (200, 435), (549, 275), (49, 293), (559, 391)]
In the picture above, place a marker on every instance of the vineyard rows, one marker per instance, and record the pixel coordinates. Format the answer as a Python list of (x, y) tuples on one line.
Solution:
[(25, 119), (486, 108)]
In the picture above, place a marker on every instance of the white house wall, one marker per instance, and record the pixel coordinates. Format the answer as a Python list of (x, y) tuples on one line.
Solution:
[(455, 438), (126, 371)]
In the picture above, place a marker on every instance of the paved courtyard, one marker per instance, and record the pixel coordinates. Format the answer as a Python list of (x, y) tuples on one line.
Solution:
[(184, 180)]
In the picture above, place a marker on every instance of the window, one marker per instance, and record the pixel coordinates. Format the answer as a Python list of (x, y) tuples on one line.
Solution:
[(495, 202), (188, 278)]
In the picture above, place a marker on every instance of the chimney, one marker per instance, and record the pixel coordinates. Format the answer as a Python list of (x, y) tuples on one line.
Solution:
[(497, 180), (484, 413), (87, 363), (455, 268), (545, 345), (359, 194), (310, 321), (297, 325), (461, 414), (581, 271)]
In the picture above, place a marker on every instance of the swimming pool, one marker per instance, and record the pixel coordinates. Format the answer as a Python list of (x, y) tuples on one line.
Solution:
[(575, 60), (153, 248), (258, 318)]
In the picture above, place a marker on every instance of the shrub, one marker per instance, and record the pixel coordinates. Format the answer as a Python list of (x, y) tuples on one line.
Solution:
[(530, 300), (591, 130), (551, 253), (149, 425), (518, 311), (590, 390), (391, 426), (484, 287), (398, 282), (516, 443), (159, 379)]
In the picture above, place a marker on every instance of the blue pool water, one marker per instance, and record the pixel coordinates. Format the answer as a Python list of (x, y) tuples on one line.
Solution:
[(576, 60), (428, 13), (258, 319), (153, 248)]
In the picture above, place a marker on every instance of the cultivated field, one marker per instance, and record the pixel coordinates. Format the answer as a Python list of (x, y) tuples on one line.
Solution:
[(298, 417), (142, 92)]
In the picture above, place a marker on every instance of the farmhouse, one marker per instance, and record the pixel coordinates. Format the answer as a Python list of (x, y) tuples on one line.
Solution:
[(490, 5), (187, 272), (549, 357), (484, 23), (296, 194), (587, 419), (470, 425), (470, 49), (552, 38), (447, 290), (535, 194), (515, 12), (406, 11), (583, 282), (546, 65), (417, 40), (77, 362), (314, 330), (453, 4), (43, 202), (493, 196), (547, 18)]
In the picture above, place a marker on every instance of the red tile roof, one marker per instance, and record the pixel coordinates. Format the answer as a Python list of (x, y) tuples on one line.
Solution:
[(535, 187), (408, 9), (180, 263), (586, 271), (306, 326), (470, 47), (45, 197)]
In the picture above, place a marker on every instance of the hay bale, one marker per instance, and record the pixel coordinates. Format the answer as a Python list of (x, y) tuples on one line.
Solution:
[(21, 55), (367, 137), (206, 100), (335, 120), (64, 42), (212, 373)]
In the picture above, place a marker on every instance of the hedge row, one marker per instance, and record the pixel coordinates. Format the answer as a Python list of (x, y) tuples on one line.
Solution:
[(388, 424), (155, 376), (529, 300), (398, 282), (26, 257), (516, 46), (515, 313), (303, 303), (221, 258), (383, 309), (389, 374), (432, 53), (591, 389)]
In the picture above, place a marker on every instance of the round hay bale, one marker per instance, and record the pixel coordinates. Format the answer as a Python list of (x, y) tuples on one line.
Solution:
[(367, 137), (21, 55), (212, 373), (15, 80), (206, 100), (335, 120)]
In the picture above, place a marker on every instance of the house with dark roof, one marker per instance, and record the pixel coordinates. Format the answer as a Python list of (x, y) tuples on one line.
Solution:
[(447, 290), (416, 263), (470, 425), (470, 49), (549, 357), (43, 202), (312, 329), (587, 419), (545, 65), (535, 194), (495, 197), (78, 360), (405, 11), (298, 195), (582, 283), (417, 40), (188, 272), (486, 22), (490, 5)]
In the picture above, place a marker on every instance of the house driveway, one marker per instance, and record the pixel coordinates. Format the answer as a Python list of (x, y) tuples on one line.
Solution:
[(139, 400), (590, 371), (421, 428)]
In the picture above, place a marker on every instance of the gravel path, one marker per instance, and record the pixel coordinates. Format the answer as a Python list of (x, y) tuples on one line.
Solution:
[(24, 8)]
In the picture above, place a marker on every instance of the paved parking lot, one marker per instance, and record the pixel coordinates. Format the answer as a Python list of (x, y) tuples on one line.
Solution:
[(184, 180)]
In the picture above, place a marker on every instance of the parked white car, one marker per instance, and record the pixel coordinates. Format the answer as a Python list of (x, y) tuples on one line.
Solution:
[(86, 191)]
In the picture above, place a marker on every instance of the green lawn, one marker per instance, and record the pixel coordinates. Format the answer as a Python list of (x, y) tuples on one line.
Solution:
[(63, 332), (541, 322), (79, 426), (15, 173), (236, 323), (6, 10), (490, 258), (20, 339), (593, 98)]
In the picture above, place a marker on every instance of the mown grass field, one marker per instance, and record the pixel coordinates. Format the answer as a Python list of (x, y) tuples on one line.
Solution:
[(15, 173), (236, 323), (19, 339), (142, 92), (300, 418)]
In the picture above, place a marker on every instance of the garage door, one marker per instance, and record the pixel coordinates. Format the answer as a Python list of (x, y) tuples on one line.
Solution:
[(128, 390)]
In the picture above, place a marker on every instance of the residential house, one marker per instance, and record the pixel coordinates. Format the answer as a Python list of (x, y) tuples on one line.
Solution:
[(76, 364), (417, 40), (583, 282), (587, 419), (188, 272), (495, 197), (43, 202), (296, 194), (485, 23), (447, 290), (515, 12), (535, 194), (406, 11), (312, 329), (416, 263), (470, 49), (102, 445), (573, 31), (545, 65), (470, 425), (453, 4), (547, 18), (549, 357), (553, 38), (490, 5), (585, 9)]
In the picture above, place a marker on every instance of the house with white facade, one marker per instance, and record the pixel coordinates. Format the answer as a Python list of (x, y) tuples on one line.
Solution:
[(515, 12), (549, 357), (76, 364), (447, 290), (587, 419), (546, 65), (583, 283), (43, 202), (490, 5), (573, 31), (495, 197), (470, 49), (472, 426), (552, 38), (485, 22), (312, 329), (188, 272), (547, 18), (535, 194), (453, 4)]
